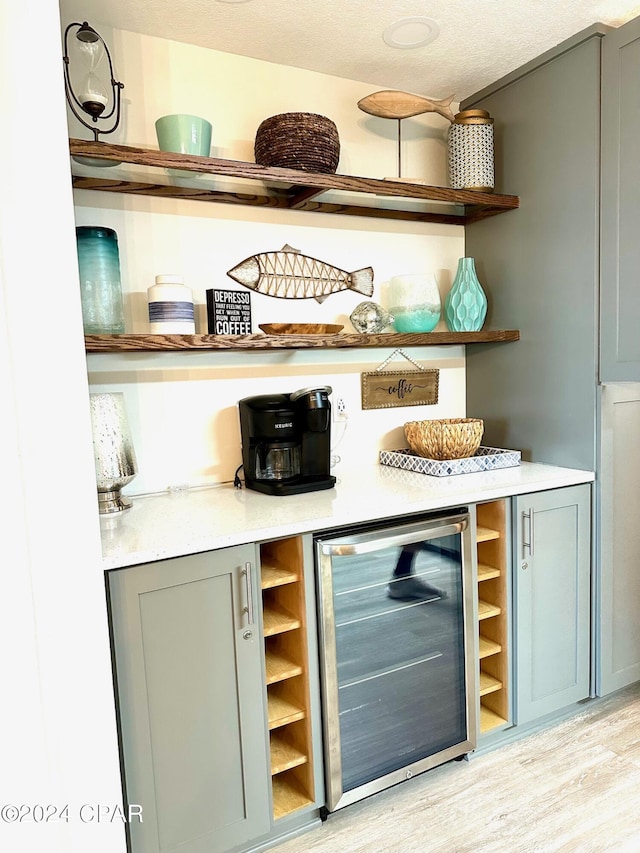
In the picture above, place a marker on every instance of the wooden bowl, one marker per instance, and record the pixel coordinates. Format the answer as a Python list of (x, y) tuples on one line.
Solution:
[(450, 438)]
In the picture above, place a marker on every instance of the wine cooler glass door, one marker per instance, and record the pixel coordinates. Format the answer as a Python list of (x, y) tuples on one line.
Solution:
[(398, 673)]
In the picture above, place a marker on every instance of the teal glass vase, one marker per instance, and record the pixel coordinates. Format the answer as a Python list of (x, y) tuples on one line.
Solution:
[(100, 286), (465, 307)]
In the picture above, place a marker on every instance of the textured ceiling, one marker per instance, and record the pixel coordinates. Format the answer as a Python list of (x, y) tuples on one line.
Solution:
[(479, 40)]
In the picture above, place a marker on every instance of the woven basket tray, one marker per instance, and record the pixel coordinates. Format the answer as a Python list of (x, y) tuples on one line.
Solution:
[(298, 141), (449, 438)]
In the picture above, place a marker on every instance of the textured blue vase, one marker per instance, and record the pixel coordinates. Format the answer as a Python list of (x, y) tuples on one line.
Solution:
[(465, 307), (100, 286)]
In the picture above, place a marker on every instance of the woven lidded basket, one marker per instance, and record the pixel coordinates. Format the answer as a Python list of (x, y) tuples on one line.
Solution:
[(451, 438), (298, 141)]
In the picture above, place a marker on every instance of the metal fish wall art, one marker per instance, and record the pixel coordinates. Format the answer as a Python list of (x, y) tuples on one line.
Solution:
[(390, 103), (288, 274)]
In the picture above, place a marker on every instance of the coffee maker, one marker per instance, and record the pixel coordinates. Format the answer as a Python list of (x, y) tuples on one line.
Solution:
[(286, 441)]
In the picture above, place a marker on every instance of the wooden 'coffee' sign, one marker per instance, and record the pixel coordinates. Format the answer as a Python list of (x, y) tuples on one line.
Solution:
[(389, 389)]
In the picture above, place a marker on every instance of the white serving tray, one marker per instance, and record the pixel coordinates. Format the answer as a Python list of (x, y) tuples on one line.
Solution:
[(485, 459)]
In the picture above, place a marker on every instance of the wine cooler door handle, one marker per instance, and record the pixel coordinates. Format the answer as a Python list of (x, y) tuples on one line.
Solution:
[(366, 543), (248, 588)]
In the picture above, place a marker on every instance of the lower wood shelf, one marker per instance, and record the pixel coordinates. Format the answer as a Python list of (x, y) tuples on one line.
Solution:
[(176, 343), (288, 795), (490, 720)]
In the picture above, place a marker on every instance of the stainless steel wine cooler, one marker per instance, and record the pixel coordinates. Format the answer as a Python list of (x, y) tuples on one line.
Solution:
[(399, 667)]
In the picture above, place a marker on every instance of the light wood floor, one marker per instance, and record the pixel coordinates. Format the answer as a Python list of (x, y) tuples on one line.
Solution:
[(573, 788)]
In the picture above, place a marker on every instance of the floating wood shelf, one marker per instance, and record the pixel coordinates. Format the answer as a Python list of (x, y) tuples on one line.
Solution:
[(176, 343), (285, 189)]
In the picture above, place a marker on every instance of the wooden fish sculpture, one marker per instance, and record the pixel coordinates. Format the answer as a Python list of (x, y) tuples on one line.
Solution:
[(288, 274), (392, 104)]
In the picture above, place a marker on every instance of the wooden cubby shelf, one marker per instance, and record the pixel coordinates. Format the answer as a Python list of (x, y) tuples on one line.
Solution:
[(284, 755), (488, 647), (486, 610), (282, 710), (279, 667), (288, 795), (491, 543), (277, 619), (287, 675)]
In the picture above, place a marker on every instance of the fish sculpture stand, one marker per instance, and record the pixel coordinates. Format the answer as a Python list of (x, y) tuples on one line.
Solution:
[(392, 104), (288, 274)]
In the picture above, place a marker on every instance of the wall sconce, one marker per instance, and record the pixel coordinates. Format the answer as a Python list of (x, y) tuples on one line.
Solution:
[(113, 451), (95, 93)]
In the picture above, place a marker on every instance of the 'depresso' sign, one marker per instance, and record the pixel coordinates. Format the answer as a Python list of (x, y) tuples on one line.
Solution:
[(228, 312)]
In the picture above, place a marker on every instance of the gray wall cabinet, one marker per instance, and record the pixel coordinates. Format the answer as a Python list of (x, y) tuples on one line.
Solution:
[(191, 701), (620, 295), (552, 571), (543, 274), (539, 264)]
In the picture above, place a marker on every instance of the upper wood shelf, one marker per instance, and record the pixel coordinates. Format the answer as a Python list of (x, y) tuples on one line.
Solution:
[(155, 343), (287, 189)]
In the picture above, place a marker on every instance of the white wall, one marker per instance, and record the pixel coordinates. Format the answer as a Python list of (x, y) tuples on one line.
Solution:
[(58, 740), (183, 408)]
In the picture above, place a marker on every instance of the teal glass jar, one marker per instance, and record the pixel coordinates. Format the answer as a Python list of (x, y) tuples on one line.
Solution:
[(465, 307), (100, 285)]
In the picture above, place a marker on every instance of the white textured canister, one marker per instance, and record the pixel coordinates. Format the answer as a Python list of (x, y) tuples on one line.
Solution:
[(471, 151), (170, 307)]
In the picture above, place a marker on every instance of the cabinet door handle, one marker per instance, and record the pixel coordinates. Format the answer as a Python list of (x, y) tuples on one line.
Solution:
[(248, 587), (528, 532)]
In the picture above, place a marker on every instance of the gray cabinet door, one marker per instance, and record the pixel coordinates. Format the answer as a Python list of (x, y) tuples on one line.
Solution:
[(191, 704), (618, 579), (552, 600), (620, 258)]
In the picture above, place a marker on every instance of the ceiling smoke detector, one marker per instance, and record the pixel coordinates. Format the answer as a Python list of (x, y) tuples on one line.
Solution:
[(410, 33)]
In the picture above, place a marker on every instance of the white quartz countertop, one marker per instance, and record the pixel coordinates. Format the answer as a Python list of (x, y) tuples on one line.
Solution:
[(173, 524)]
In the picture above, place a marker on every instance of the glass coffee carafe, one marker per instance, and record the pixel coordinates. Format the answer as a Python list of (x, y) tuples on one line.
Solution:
[(277, 461)]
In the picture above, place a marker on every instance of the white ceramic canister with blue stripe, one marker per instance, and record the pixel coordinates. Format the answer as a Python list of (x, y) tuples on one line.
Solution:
[(170, 307)]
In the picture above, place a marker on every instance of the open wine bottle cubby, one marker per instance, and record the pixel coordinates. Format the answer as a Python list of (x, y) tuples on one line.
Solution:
[(287, 675), (492, 615)]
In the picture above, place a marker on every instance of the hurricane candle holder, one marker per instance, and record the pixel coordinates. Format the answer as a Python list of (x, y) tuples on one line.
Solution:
[(113, 451)]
